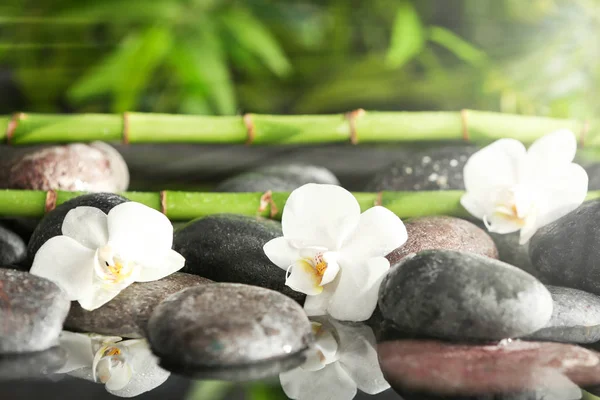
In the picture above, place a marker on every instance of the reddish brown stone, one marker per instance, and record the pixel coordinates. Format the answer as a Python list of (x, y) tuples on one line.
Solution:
[(447, 233), (460, 369), (94, 167)]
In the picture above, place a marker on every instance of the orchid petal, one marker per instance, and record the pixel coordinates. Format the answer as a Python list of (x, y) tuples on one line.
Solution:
[(98, 295), (79, 351), (139, 232), (332, 269), (501, 224), (379, 231), (304, 278), (319, 215), (476, 203), (330, 383), (556, 148), (280, 252), (120, 377), (67, 263), (171, 263), (317, 305), (87, 225)]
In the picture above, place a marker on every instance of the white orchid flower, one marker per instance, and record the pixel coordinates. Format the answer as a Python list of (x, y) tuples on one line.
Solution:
[(332, 252), (126, 368), (99, 255), (511, 188), (342, 360)]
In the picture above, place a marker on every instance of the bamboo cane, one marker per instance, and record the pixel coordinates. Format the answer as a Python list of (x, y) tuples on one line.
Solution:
[(479, 127), (185, 206)]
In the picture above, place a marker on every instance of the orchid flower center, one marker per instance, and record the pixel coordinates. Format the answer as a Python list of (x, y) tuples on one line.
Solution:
[(110, 364), (324, 351), (513, 205), (112, 268)]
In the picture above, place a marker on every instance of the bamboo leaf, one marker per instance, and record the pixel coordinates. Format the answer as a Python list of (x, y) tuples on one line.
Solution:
[(251, 34), (128, 10), (407, 36), (457, 46)]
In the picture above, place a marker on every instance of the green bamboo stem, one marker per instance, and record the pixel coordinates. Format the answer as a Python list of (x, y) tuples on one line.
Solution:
[(479, 127), (185, 206)]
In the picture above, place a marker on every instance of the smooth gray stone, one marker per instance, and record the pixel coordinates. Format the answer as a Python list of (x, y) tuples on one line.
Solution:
[(51, 224), (12, 247), (31, 365), (277, 178), (229, 248), (229, 331), (575, 318), (32, 311), (513, 253), (463, 296), (127, 314), (439, 168), (566, 252)]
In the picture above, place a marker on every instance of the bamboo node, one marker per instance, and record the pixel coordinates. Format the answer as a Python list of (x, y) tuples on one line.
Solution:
[(163, 202), (12, 125), (125, 127), (351, 117), (465, 124), (50, 203), (584, 131), (266, 200), (379, 199), (251, 131)]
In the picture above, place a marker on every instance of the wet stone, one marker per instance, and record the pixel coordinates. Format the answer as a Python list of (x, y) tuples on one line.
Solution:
[(575, 317), (31, 365), (517, 368), (94, 167), (12, 247), (447, 233), (127, 314), (51, 224), (229, 331), (32, 311), (277, 178), (229, 248), (463, 296), (432, 169), (566, 252)]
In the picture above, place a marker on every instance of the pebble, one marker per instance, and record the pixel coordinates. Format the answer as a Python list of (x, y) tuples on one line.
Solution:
[(513, 253), (441, 232), (575, 317), (32, 365), (485, 370), (229, 248), (566, 251), (51, 224), (127, 314), (439, 168), (12, 247), (277, 178), (229, 331), (453, 295), (32, 311), (94, 167)]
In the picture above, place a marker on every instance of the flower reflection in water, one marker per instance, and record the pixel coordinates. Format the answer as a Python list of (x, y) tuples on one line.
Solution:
[(127, 368), (343, 360)]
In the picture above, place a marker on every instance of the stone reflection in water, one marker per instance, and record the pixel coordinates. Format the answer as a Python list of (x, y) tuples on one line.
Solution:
[(127, 368), (31, 365), (343, 360)]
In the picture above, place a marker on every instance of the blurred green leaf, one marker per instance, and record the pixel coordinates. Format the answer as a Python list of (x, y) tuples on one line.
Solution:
[(457, 46), (251, 34), (123, 10), (209, 390), (407, 36), (589, 396), (262, 391)]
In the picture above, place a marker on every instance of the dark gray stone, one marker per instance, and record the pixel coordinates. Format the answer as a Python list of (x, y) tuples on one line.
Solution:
[(229, 248), (566, 252), (12, 247), (453, 295), (277, 178), (51, 224), (431, 169), (31, 365), (32, 311), (229, 331), (444, 233), (127, 314), (513, 253), (575, 317)]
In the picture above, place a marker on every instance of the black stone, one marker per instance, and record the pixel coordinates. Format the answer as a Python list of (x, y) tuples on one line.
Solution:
[(229, 248), (513, 253), (229, 331), (463, 296), (32, 311), (31, 365), (575, 317), (51, 224), (431, 169), (12, 247), (277, 178)]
